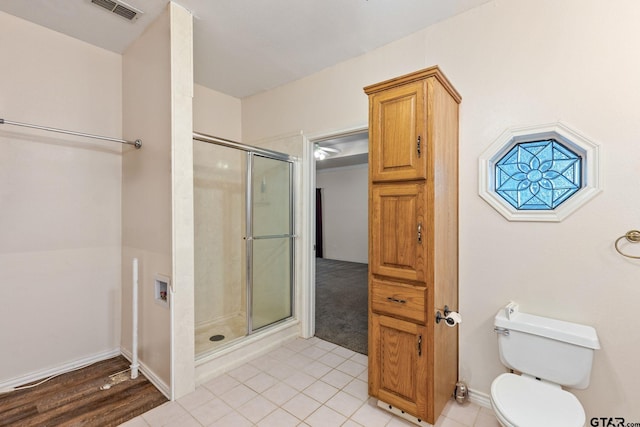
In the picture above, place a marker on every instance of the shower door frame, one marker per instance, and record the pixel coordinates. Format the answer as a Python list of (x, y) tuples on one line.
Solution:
[(275, 155), (250, 238)]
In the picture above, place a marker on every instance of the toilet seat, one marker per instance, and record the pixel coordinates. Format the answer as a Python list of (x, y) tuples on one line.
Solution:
[(521, 401)]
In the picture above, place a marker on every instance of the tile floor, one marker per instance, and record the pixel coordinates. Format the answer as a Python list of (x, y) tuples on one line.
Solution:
[(306, 383)]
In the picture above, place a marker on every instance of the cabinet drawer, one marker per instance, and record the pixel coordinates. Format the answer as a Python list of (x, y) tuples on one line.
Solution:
[(398, 299)]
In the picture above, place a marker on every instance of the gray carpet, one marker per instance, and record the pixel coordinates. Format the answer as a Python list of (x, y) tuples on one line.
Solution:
[(341, 303)]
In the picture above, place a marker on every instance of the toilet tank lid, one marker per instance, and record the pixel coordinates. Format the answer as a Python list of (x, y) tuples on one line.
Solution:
[(560, 330)]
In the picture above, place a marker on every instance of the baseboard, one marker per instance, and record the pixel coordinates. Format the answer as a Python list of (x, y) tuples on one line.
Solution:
[(163, 387), (479, 398), (58, 370)]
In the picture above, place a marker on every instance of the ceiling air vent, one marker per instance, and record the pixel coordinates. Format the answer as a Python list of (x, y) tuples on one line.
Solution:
[(119, 8)]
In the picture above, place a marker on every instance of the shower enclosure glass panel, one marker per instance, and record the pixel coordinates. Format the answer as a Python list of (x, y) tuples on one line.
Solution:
[(220, 253), (270, 242), (243, 215)]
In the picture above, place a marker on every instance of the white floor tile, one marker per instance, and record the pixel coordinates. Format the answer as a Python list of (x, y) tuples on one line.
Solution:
[(238, 395), (351, 367), (314, 352), (337, 378), (465, 414), (332, 359), (280, 393), (301, 406), (281, 371), (486, 418), (320, 391), (344, 352), (221, 384), (317, 369), (282, 389), (360, 358), (232, 419), (184, 421), (325, 345), (257, 408), (211, 411), (198, 397), (325, 417), (279, 418), (299, 361), (164, 414), (448, 422), (370, 415), (300, 381), (344, 403), (399, 422), (135, 422), (260, 382), (358, 388)]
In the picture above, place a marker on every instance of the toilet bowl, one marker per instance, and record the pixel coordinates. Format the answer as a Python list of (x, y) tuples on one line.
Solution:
[(522, 401), (550, 354)]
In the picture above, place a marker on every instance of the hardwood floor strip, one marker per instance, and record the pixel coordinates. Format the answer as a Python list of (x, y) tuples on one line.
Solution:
[(76, 399)]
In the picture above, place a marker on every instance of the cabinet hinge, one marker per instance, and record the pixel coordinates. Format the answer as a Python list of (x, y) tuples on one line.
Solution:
[(419, 146), (419, 232), (420, 345)]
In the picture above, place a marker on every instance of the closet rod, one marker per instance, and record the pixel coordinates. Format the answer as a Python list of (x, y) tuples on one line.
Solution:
[(137, 143)]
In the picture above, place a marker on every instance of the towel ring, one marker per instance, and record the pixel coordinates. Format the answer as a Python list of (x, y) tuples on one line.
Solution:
[(632, 236)]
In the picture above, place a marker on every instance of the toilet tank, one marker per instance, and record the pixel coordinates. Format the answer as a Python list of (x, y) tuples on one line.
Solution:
[(553, 350)]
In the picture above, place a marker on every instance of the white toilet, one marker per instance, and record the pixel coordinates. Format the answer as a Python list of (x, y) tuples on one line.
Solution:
[(549, 353)]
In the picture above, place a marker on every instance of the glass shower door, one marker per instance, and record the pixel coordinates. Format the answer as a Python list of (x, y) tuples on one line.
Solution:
[(269, 241)]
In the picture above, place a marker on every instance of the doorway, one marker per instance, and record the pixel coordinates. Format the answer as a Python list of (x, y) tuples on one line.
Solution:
[(341, 177)]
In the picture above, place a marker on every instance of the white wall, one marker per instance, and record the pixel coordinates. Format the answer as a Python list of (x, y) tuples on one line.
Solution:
[(60, 201), (516, 63), (345, 215)]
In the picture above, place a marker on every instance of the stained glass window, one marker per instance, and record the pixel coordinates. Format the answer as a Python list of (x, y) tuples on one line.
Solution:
[(538, 175)]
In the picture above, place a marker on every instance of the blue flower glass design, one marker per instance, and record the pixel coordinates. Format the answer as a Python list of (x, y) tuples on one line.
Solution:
[(538, 175)]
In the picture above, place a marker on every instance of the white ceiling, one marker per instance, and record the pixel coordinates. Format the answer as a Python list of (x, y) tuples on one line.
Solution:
[(242, 47)]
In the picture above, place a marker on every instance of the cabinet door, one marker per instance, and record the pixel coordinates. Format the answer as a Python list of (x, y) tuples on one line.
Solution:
[(398, 364), (398, 231), (398, 133)]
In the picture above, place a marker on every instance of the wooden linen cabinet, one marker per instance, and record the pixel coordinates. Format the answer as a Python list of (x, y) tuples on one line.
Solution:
[(413, 241)]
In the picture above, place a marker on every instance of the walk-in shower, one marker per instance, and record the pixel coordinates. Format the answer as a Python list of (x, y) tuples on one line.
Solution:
[(244, 237)]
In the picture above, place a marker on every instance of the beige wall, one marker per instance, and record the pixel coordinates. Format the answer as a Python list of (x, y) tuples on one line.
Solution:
[(518, 63), (217, 114), (146, 192), (157, 211), (59, 201)]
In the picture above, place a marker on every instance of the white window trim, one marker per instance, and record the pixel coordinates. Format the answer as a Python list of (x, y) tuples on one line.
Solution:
[(586, 148)]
